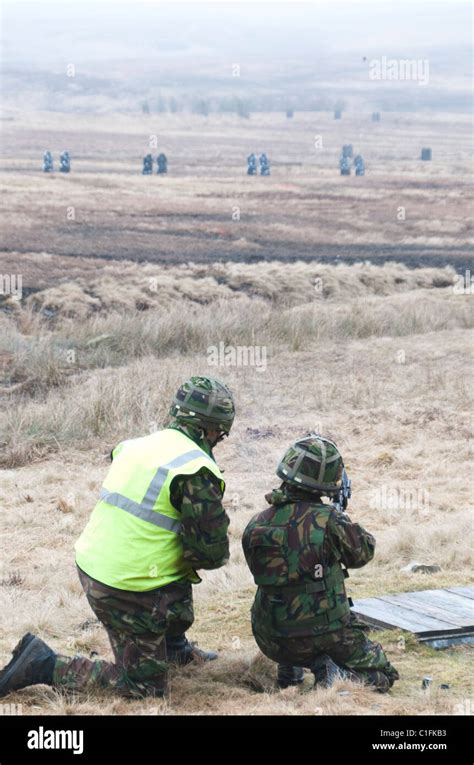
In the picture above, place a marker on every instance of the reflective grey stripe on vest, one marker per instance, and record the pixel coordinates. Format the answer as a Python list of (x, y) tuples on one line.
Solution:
[(140, 512), (144, 509)]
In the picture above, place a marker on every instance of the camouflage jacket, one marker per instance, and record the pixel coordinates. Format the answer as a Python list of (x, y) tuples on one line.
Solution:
[(296, 550), (203, 519)]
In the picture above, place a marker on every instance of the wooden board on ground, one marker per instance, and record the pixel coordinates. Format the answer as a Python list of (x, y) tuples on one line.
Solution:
[(439, 617)]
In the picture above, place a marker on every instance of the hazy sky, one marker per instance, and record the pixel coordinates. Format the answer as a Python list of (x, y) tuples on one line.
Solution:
[(47, 33)]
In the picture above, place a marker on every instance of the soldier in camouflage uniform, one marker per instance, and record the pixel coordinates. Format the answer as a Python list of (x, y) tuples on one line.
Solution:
[(299, 550), (146, 627)]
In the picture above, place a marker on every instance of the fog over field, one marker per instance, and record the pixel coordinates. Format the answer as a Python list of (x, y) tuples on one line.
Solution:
[(306, 54)]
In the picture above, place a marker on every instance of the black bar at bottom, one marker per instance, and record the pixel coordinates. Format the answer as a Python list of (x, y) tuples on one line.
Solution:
[(77, 739)]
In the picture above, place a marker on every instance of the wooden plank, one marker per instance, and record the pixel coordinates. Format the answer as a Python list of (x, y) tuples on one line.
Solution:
[(467, 592), (395, 615), (444, 641), (430, 603), (452, 602), (443, 615), (383, 615), (446, 621)]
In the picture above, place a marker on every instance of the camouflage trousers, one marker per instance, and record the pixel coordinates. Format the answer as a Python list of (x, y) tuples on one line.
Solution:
[(137, 625), (349, 647)]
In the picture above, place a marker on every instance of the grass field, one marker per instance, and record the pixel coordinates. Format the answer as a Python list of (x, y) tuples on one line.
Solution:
[(207, 209), (124, 301)]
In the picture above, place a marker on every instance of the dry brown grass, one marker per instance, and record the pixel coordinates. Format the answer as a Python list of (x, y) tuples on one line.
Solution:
[(376, 357), (382, 367), (132, 287), (303, 210), (59, 370)]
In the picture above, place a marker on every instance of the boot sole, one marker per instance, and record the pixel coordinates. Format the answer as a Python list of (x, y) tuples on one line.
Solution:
[(20, 652)]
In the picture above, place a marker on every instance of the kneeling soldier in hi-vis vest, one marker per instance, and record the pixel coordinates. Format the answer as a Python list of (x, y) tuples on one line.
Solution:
[(298, 551), (159, 518)]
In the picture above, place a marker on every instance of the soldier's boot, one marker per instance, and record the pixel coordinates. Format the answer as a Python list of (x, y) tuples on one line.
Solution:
[(180, 651), (379, 679), (288, 675), (326, 672), (32, 663)]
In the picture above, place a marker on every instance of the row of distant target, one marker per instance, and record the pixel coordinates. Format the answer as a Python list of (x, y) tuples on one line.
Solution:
[(345, 163), (64, 162)]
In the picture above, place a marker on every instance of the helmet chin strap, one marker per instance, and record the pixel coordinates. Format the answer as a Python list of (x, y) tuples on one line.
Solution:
[(217, 440), (213, 443)]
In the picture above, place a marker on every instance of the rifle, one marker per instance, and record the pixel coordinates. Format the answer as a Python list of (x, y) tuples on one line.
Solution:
[(341, 499), (340, 502)]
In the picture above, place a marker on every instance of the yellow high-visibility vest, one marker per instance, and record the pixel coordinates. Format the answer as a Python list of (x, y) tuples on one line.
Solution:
[(132, 540)]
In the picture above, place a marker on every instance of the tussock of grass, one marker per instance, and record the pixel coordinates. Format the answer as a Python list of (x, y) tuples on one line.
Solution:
[(145, 287), (38, 354)]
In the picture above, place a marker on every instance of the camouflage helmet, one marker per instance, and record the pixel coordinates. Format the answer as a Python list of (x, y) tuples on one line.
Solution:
[(314, 463), (206, 402)]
